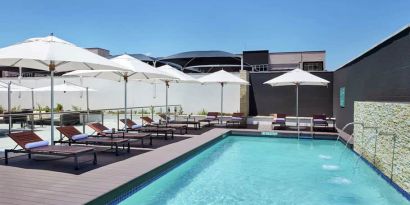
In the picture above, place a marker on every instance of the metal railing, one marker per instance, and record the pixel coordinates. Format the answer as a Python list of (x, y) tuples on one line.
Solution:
[(29, 120)]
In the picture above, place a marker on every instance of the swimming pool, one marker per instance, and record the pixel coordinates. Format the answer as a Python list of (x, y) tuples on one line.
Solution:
[(264, 170)]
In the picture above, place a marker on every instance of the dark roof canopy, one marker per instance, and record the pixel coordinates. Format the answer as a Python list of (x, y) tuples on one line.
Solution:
[(201, 54), (199, 61), (141, 57)]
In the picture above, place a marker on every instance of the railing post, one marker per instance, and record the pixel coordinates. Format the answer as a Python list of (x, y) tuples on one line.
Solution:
[(118, 119), (102, 117), (131, 114), (152, 112), (83, 121), (61, 120), (32, 122)]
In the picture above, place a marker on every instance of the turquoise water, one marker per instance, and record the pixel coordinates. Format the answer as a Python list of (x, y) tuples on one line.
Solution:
[(261, 170)]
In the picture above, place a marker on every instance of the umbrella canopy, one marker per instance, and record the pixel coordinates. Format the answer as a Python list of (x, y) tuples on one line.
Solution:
[(296, 78), (13, 87), (63, 88), (53, 54), (136, 70), (173, 75), (176, 76), (222, 77), (40, 53)]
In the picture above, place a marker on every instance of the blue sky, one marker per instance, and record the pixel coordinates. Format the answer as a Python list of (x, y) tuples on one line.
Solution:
[(343, 28)]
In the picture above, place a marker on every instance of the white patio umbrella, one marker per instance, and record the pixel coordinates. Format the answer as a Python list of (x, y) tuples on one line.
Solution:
[(297, 77), (176, 76), (68, 87), (10, 87), (55, 55), (137, 70), (222, 77)]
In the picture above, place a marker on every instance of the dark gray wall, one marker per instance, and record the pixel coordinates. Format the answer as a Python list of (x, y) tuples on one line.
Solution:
[(382, 74), (265, 99)]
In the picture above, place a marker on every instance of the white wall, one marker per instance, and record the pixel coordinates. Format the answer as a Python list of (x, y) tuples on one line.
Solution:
[(192, 97)]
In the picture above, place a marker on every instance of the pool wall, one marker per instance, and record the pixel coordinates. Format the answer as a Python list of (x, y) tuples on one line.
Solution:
[(388, 151)]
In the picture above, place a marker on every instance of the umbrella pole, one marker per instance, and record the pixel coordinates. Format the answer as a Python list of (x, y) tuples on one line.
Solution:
[(222, 100), (32, 99), (51, 66), (297, 108), (9, 104), (166, 102), (88, 105), (125, 102)]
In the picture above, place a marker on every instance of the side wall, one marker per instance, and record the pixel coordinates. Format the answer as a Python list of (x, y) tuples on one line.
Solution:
[(393, 123), (265, 100), (381, 75)]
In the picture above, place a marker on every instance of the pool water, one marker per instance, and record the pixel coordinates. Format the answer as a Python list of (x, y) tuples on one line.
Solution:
[(263, 170)]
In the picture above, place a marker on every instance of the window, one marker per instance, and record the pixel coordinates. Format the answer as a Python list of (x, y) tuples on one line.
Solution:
[(313, 66)]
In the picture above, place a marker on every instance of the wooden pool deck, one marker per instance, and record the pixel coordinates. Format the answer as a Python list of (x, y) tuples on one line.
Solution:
[(38, 186), (22, 184)]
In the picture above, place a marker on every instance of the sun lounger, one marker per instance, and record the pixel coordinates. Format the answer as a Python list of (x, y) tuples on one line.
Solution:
[(102, 130), (187, 122), (320, 121), (76, 137), (150, 122), (132, 126), (31, 144), (210, 117), (280, 119), (236, 119)]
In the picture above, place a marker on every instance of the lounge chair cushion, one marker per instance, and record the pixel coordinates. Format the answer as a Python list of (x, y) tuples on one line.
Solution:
[(210, 117), (236, 118), (280, 120), (107, 131), (32, 145), (136, 126), (79, 136)]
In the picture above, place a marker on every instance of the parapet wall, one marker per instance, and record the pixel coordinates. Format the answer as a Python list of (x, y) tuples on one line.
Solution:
[(391, 121)]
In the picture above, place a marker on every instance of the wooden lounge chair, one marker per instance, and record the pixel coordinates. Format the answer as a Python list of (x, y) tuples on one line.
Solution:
[(187, 122), (236, 119), (26, 139), (104, 131), (150, 122), (76, 137), (210, 117), (132, 126), (280, 119)]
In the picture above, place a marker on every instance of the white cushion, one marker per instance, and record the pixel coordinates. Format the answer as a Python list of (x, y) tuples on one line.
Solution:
[(32, 145), (79, 136), (107, 131), (210, 117), (236, 118), (136, 126)]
